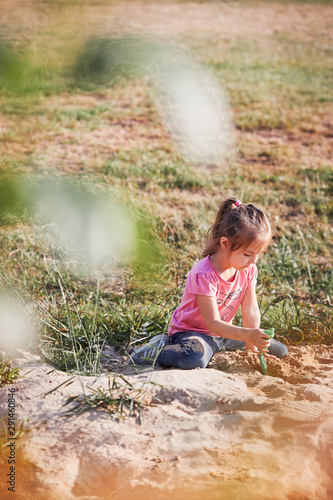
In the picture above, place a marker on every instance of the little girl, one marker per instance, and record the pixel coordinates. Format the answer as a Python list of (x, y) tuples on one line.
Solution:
[(216, 287)]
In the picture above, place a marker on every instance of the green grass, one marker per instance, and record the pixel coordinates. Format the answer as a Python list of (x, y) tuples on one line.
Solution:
[(8, 374), (76, 329), (297, 305), (156, 167), (270, 75), (280, 94)]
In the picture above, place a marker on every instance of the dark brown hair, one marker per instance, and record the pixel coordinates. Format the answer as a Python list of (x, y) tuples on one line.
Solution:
[(242, 225)]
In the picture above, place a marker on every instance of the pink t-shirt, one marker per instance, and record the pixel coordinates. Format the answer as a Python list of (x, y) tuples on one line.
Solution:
[(204, 280)]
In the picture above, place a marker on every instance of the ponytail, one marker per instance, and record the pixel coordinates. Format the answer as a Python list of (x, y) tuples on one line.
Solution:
[(240, 224)]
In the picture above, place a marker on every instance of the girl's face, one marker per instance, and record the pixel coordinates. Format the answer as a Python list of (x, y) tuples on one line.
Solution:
[(242, 258)]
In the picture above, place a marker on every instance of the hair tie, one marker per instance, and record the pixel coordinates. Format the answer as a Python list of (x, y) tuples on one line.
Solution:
[(238, 203)]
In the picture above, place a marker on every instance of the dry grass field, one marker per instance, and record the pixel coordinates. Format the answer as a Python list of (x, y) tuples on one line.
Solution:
[(105, 135)]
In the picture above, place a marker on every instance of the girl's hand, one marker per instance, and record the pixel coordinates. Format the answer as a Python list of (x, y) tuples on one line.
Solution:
[(270, 356), (257, 341)]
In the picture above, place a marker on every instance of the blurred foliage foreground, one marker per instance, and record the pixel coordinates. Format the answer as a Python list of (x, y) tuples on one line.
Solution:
[(98, 231)]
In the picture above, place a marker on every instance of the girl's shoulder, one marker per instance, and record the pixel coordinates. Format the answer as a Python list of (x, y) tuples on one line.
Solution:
[(202, 279), (251, 274), (251, 271), (203, 266)]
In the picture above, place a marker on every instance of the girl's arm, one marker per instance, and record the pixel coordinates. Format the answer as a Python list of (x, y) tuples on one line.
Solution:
[(250, 309), (251, 315), (254, 337)]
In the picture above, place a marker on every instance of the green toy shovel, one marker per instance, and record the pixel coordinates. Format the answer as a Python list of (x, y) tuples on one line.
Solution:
[(263, 364)]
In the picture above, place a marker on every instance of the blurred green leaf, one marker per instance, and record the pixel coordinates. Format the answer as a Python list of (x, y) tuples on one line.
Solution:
[(14, 199), (11, 67)]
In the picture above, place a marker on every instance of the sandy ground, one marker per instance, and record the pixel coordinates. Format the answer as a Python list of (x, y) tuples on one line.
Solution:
[(225, 432)]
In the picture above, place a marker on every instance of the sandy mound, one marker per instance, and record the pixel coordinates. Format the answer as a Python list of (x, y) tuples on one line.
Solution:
[(225, 432), (304, 364)]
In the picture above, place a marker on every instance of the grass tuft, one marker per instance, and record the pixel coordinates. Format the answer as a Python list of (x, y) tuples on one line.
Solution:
[(121, 399), (8, 374)]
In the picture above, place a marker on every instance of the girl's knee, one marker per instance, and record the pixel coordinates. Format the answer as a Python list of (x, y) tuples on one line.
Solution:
[(192, 347), (193, 354), (188, 354)]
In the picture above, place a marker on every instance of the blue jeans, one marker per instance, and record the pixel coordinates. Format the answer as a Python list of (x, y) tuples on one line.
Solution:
[(189, 350)]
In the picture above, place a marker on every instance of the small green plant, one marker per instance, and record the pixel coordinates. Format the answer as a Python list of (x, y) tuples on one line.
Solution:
[(263, 364), (7, 373)]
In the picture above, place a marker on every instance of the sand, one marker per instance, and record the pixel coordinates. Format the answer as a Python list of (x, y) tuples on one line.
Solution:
[(224, 432)]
